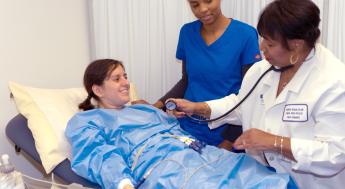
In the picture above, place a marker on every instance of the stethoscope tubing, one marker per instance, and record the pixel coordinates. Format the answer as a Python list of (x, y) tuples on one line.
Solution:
[(245, 97)]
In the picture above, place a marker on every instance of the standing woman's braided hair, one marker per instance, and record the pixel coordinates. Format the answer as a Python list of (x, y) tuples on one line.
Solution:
[(95, 74)]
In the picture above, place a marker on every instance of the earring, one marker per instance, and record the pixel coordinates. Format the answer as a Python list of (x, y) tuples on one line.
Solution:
[(293, 59)]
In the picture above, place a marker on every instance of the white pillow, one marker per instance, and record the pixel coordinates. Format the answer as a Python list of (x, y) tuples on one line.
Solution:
[(47, 112)]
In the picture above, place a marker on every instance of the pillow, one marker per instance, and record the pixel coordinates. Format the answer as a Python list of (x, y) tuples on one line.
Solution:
[(47, 112)]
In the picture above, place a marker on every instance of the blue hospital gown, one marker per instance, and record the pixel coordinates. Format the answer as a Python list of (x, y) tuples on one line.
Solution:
[(111, 145)]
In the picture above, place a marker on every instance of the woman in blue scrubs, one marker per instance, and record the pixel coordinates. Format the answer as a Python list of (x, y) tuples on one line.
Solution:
[(215, 52), (140, 146)]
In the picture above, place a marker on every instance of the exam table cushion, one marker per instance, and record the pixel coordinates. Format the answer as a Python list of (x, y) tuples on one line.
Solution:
[(47, 112), (18, 132)]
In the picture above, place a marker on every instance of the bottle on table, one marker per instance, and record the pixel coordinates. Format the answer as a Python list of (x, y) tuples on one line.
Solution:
[(9, 177)]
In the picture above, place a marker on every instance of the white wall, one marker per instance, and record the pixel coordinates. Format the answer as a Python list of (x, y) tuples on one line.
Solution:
[(43, 43)]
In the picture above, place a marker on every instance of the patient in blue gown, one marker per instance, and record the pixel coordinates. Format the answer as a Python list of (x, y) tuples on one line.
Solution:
[(139, 146)]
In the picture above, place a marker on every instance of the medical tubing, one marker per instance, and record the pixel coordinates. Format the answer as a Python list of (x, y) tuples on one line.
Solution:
[(148, 173), (202, 166), (141, 149), (136, 158), (239, 103)]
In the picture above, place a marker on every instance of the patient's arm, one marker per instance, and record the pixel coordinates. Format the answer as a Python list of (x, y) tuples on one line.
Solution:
[(125, 184), (128, 186), (93, 157)]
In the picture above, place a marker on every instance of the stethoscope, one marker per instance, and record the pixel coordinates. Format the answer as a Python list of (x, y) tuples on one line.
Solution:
[(171, 105)]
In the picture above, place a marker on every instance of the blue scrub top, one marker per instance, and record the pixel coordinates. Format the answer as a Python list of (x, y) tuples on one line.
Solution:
[(214, 70)]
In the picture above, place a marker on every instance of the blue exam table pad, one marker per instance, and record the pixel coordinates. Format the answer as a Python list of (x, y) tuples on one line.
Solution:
[(19, 133)]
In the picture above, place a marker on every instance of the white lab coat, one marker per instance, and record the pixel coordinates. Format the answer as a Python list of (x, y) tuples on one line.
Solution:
[(310, 110)]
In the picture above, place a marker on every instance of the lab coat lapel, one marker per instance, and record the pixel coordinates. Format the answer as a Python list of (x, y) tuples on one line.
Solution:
[(269, 89), (297, 82), (293, 87)]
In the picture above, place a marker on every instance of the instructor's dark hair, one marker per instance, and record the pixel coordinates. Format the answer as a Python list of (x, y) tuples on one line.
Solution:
[(95, 74), (284, 20)]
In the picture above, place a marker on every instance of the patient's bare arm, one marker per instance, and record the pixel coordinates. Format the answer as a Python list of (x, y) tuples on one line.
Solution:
[(128, 186)]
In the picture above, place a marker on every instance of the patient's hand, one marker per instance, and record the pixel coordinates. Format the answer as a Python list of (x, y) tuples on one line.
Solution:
[(157, 104), (141, 101), (128, 186)]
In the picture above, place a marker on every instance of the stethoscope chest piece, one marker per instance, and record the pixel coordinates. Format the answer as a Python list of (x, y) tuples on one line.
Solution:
[(170, 105)]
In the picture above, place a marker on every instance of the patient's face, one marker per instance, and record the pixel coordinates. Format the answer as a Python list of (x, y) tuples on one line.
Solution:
[(114, 93)]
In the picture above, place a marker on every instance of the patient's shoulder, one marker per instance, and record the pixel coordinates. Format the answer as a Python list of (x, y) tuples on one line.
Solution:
[(83, 118)]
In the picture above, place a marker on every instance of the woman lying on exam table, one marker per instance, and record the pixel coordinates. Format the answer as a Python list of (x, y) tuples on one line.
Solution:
[(294, 119), (121, 146)]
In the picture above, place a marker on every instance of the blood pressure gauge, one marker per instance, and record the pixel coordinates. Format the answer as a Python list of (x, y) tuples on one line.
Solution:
[(170, 105)]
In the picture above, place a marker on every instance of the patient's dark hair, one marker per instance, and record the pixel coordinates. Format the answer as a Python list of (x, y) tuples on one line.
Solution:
[(95, 74), (284, 20)]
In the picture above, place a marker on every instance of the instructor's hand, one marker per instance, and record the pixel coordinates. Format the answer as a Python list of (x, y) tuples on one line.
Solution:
[(255, 139), (183, 107)]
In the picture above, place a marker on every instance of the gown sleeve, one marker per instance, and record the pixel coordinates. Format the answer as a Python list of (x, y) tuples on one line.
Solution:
[(220, 106), (94, 157)]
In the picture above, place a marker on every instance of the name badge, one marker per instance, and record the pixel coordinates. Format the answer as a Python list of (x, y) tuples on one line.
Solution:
[(295, 113)]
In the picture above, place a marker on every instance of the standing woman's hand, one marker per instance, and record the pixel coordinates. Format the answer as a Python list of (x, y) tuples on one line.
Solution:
[(260, 140)]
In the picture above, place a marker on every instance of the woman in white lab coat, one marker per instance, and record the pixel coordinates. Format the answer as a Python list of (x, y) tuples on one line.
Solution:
[(294, 119)]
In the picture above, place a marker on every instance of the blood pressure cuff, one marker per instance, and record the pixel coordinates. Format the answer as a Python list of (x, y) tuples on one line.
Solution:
[(231, 132)]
